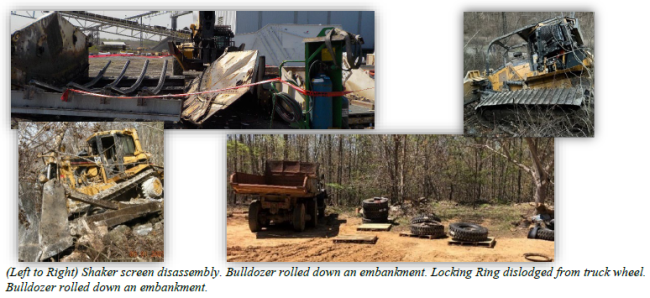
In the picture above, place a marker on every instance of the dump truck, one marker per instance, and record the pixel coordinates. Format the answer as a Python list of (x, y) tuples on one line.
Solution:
[(95, 187), (289, 191), (546, 68)]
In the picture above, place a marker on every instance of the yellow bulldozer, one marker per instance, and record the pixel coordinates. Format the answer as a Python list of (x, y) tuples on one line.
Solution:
[(111, 181), (546, 69), (110, 159)]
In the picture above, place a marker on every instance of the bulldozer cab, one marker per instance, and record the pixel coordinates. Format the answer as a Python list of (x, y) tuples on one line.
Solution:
[(549, 45), (119, 151)]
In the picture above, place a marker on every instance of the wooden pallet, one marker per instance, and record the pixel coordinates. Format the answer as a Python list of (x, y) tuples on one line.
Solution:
[(364, 239), (487, 243), (409, 234), (374, 227)]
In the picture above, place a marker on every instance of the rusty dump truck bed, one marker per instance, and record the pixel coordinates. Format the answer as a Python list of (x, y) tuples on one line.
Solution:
[(281, 178)]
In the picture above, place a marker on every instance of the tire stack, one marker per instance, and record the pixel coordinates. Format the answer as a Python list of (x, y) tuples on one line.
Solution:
[(427, 225), (544, 233), (375, 210), (467, 232)]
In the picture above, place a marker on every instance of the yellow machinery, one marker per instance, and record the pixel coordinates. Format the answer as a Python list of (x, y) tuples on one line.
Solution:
[(111, 158), (553, 72), (92, 191), (209, 42)]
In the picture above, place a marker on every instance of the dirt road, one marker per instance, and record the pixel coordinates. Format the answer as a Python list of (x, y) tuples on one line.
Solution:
[(280, 244)]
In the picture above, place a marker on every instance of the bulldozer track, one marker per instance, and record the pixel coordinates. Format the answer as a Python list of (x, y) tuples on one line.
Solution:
[(533, 105), (569, 97), (103, 199)]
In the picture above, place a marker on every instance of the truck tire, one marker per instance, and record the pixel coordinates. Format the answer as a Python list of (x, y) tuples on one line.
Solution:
[(532, 233), (376, 203), (320, 199), (369, 220), (434, 229), (253, 214), (550, 224), (312, 208), (321, 206), (425, 218), (375, 214), (467, 232), (299, 217), (546, 234)]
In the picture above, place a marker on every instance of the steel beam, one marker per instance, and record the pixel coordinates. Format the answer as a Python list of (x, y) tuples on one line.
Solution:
[(49, 103)]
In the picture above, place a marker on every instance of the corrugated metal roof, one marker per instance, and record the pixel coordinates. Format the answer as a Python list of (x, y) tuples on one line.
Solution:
[(539, 97)]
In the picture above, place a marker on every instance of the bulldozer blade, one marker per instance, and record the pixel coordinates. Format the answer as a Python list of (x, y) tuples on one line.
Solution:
[(29, 249), (54, 234)]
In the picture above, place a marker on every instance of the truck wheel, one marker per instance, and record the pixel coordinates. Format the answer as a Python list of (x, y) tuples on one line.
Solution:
[(376, 203), (253, 213), (434, 229), (370, 220), (467, 232), (312, 207), (321, 207), (546, 234), (299, 217), (375, 214), (425, 218)]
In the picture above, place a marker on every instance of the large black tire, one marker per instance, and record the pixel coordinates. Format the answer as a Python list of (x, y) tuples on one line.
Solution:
[(320, 199), (312, 209), (546, 234), (461, 231), (376, 203), (177, 70), (253, 215), (375, 214), (368, 220), (550, 224), (532, 234), (428, 228), (425, 218), (299, 217)]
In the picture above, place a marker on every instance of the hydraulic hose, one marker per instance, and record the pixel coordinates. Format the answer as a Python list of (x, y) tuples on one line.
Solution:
[(286, 107)]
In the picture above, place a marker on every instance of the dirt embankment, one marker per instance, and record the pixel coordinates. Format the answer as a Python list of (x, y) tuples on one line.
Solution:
[(280, 244)]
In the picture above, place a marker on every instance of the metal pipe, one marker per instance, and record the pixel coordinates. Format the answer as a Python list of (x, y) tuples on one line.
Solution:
[(137, 82)]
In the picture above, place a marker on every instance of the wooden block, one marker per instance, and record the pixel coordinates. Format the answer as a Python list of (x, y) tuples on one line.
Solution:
[(374, 227), (356, 238), (487, 243)]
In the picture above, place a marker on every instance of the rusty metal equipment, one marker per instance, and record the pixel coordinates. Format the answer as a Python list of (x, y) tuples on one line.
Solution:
[(51, 55), (289, 191), (231, 69), (549, 70), (208, 42), (91, 189)]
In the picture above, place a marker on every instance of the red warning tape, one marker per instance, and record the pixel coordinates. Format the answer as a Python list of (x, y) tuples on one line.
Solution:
[(66, 93)]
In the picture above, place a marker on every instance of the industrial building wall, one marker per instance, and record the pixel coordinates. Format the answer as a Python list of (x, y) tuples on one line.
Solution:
[(226, 17), (357, 22)]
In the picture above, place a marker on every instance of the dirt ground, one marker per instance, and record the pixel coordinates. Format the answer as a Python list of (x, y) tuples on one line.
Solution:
[(281, 244)]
